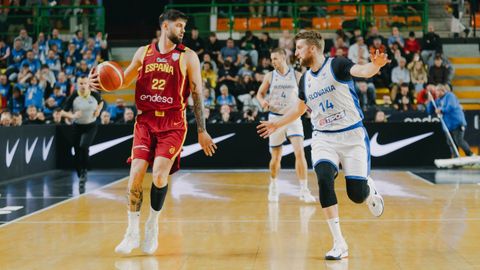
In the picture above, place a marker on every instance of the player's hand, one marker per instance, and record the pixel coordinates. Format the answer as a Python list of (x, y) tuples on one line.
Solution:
[(379, 59), (438, 111), (207, 143), (93, 80), (264, 105), (266, 128), (77, 114)]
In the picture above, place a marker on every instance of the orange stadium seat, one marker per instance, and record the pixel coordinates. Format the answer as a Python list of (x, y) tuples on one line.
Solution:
[(350, 10), (286, 23), (319, 23), (335, 23), (240, 24), (399, 20), (271, 23), (255, 24), (380, 10), (222, 24), (333, 8), (414, 20)]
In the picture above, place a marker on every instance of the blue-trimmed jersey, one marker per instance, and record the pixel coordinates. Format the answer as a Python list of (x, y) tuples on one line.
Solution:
[(330, 95), (282, 91)]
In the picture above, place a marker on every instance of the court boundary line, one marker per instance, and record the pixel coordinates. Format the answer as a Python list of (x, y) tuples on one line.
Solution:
[(61, 202), (419, 178)]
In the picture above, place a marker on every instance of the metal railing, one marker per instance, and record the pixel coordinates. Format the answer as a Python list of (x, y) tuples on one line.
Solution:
[(36, 19), (309, 15)]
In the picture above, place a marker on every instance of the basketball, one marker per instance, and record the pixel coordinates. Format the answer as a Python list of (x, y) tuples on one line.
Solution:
[(110, 75)]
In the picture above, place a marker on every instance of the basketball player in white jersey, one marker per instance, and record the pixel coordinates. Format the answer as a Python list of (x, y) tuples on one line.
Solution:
[(282, 87), (338, 136)]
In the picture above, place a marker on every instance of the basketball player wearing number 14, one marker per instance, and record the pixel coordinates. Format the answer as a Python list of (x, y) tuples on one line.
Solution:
[(166, 73), (338, 136)]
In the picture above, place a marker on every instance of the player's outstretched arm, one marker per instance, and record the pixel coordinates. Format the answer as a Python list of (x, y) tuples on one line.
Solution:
[(266, 128), (378, 60), (262, 91), (195, 80)]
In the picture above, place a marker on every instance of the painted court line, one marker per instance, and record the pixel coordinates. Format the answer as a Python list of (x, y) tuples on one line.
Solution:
[(419, 178)]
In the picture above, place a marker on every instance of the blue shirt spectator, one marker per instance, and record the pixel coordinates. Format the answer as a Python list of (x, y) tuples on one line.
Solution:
[(17, 101), (33, 64), (17, 54), (230, 50), (451, 110), (34, 94), (225, 98), (78, 40), (55, 40)]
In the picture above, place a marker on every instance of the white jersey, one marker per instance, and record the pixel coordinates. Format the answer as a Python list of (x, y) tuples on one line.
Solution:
[(334, 104), (283, 91)]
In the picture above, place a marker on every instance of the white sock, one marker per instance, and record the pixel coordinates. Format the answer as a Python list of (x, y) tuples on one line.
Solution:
[(273, 181), (153, 217), (334, 225), (133, 222), (303, 184)]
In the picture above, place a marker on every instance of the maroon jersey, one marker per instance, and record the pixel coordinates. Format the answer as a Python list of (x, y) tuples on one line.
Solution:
[(161, 84)]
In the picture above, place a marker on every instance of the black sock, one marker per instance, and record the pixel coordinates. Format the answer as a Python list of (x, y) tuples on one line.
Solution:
[(157, 197)]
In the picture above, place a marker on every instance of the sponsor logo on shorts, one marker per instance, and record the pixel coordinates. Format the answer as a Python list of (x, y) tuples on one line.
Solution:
[(171, 150), (331, 118), (157, 99)]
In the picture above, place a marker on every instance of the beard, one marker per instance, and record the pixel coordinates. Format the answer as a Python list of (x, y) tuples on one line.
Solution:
[(306, 62), (173, 38)]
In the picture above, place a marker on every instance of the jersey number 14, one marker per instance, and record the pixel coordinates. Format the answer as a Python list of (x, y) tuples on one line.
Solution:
[(328, 105)]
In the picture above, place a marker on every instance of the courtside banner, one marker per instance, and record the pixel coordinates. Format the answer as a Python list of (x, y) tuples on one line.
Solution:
[(239, 146), (26, 150)]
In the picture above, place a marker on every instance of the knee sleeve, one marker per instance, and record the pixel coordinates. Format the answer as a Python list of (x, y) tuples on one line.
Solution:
[(157, 197), (326, 174), (357, 190)]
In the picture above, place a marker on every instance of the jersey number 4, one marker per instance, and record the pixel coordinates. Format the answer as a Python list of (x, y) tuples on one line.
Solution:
[(328, 105), (158, 84)]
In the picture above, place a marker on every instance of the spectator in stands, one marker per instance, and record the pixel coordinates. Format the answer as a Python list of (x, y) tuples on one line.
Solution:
[(53, 62), (225, 115), (72, 52), (265, 44), (246, 69), (34, 117), (438, 73), (17, 101), (357, 32), (412, 46), (432, 44), (63, 84), (247, 92), (69, 68), (101, 47), (380, 117), (358, 52), (418, 73), (422, 96), (128, 117), (16, 57), (5, 90), (339, 48), (396, 37), (400, 75), (34, 94), (90, 59), (78, 40), (451, 110), (83, 70), (209, 75), (208, 58), (445, 62), (41, 44), (250, 116), (195, 42), (374, 34), (25, 39), (286, 42), (365, 95), (272, 7), (225, 98), (396, 53), (54, 101), (404, 100), (230, 50), (56, 118), (256, 8), (264, 67), (116, 110), (4, 54), (208, 99), (249, 45), (387, 103), (340, 33), (228, 74), (55, 40), (6, 119), (34, 64), (17, 119), (213, 46), (105, 118)]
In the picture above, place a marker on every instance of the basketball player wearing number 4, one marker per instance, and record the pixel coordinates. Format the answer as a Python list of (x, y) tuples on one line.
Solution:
[(282, 87), (338, 136), (165, 72)]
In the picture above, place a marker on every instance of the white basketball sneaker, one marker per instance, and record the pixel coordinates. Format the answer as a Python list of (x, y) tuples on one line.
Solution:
[(130, 241), (339, 251), (306, 196), (150, 243), (273, 192), (374, 200)]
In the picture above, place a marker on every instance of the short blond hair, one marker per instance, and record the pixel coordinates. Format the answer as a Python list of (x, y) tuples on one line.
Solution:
[(312, 38)]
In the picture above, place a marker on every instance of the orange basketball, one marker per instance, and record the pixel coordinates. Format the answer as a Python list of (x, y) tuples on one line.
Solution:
[(110, 75)]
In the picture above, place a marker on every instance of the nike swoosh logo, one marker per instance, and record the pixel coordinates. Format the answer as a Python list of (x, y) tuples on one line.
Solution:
[(97, 148), (29, 150), (10, 153), (378, 150), (288, 149), (46, 149), (193, 148)]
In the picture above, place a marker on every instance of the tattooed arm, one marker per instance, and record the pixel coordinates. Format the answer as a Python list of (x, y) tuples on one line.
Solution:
[(192, 65)]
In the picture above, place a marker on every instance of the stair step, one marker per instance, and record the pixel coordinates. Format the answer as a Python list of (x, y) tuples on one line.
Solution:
[(467, 72), (468, 95), (466, 82), (466, 88), (465, 60), (470, 106)]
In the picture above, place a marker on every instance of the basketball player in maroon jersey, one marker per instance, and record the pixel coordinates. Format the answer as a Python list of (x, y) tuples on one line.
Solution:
[(166, 73)]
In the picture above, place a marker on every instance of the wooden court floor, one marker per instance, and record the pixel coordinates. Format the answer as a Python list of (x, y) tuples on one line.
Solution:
[(220, 220)]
